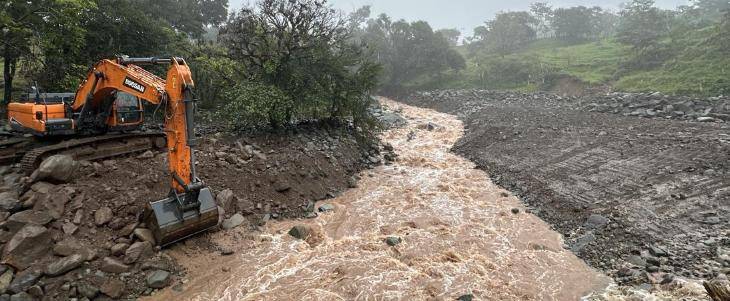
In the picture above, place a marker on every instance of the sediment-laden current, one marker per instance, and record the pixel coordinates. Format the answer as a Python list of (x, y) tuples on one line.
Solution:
[(460, 234)]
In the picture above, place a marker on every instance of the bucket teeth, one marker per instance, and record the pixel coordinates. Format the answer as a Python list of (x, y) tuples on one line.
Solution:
[(170, 222)]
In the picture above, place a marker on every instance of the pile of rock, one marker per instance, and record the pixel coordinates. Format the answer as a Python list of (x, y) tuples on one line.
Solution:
[(50, 246), (713, 109), (649, 105)]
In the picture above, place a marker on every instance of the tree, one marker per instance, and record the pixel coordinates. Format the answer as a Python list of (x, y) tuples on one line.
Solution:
[(304, 49), (33, 25), (510, 31), (642, 24), (409, 51), (580, 22), (450, 34), (543, 13)]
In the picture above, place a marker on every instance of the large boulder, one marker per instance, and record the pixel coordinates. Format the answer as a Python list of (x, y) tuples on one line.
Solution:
[(18, 220), (56, 168), (31, 243), (138, 250)]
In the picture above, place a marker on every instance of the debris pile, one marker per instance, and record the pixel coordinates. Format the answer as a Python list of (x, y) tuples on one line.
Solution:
[(72, 229)]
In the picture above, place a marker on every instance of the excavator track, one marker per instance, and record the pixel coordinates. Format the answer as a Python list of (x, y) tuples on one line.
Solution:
[(94, 148)]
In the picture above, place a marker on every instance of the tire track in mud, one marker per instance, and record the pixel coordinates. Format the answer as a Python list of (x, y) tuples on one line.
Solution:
[(459, 237)]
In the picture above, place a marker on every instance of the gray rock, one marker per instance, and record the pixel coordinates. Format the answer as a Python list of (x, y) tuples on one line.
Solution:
[(111, 265), (29, 244), (138, 250), (596, 221), (145, 235), (63, 265), (5, 280), (712, 220), (158, 279), (9, 201), (69, 228), (56, 168), (232, 222), (657, 251), (22, 296), (87, 290), (24, 280), (18, 220), (147, 155), (224, 198), (300, 232), (467, 297), (706, 119), (636, 260), (326, 208), (103, 216), (393, 240)]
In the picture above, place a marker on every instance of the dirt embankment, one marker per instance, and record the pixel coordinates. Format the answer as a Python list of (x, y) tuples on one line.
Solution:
[(645, 199), (82, 239)]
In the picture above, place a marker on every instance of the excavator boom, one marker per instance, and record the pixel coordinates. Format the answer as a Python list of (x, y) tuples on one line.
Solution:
[(110, 98)]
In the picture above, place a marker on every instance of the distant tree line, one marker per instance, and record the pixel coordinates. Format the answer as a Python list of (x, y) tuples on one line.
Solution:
[(653, 35)]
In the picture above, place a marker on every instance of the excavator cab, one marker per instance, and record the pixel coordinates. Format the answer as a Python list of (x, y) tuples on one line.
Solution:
[(128, 110)]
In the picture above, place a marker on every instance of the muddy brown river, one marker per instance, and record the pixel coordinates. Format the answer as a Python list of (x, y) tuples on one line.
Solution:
[(459, 236)]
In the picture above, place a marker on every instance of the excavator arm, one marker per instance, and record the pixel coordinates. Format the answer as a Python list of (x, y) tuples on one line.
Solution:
[(190, 208)]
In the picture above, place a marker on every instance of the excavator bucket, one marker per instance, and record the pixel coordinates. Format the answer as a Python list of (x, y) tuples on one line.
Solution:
[(181, 216)]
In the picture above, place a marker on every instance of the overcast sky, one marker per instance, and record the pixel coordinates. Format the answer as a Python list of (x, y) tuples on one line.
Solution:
[(461, 14)]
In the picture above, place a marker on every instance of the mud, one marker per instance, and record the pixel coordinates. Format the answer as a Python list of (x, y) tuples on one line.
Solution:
[(651, 184), (271, 176), (461, 234)]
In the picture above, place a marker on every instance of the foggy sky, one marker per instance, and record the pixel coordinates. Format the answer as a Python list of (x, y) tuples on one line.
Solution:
[(463, 15)]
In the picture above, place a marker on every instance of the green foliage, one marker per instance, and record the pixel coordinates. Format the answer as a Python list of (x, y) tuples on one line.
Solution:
[(409, 52), (254, 104), (642, 24), (306, 50), (214, 75), (510, 31), (30, 26)]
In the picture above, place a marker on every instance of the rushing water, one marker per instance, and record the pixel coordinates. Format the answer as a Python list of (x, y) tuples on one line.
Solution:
[(459, 237)]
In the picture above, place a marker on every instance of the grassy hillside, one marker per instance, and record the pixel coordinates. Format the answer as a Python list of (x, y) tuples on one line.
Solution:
[(690, 67)]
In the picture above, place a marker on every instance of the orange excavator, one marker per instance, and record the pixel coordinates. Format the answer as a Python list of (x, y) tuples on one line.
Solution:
[(108, 102)]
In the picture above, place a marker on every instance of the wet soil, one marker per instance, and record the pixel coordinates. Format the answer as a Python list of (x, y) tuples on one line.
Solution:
[(272, 176), (623, 190), (454, 233)]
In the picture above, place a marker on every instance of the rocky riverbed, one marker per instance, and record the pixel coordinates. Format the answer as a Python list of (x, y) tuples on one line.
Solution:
[(642, 196)]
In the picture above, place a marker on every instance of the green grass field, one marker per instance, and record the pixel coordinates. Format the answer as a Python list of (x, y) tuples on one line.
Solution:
[(693, 67)]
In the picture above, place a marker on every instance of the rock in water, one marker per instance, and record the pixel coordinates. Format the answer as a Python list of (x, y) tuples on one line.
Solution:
[(31, 243), (56, 168), (326, 208), (300, 232), (103, 216), (393, 241), (467, 297), (158, 279), (64, 265)]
